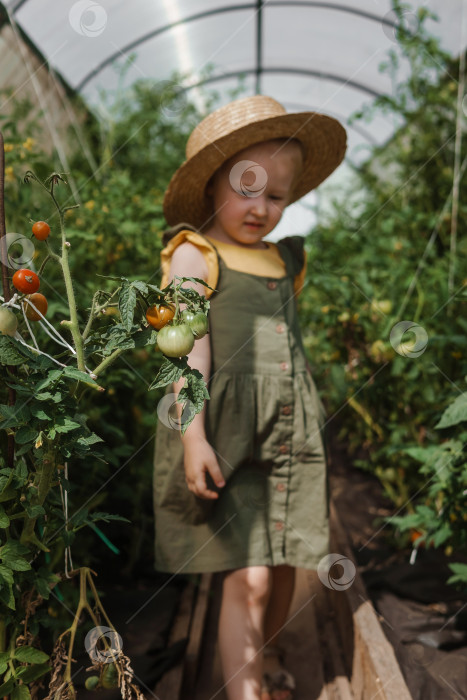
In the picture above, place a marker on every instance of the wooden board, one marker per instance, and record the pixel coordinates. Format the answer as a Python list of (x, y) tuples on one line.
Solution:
[(197, 627), (375, 670)]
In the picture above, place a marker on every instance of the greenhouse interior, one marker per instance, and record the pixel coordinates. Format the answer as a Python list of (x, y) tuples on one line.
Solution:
[(231, 467)]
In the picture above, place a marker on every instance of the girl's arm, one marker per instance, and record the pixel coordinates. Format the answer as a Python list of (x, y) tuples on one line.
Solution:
[(188, 261)]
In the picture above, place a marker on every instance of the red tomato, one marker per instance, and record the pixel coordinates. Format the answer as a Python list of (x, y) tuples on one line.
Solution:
[(41, 230), (40, 302), (26, 281)]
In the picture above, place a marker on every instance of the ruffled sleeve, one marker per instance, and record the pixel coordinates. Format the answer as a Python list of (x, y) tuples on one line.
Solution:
[(203, 245), (295, 246)]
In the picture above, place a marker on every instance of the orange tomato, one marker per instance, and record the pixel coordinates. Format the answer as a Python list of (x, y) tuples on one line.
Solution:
[(159, 316), (41, 230), (39, 301)]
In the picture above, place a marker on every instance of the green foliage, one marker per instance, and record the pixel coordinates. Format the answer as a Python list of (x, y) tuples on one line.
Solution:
[(379, 256)]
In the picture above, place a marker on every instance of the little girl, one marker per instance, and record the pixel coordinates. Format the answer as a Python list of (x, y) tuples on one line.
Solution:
[(244, 491)]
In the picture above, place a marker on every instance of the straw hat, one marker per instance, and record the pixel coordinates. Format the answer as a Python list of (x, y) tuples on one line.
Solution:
[(241, 124)]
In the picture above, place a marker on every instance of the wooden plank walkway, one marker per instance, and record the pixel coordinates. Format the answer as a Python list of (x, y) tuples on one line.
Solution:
[(334, 643), (314, 656)]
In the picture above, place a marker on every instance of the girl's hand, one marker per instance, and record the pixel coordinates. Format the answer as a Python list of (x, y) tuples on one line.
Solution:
[(199, 459)]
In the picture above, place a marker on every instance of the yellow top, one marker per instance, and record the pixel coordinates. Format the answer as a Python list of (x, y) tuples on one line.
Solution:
[(265, 262)]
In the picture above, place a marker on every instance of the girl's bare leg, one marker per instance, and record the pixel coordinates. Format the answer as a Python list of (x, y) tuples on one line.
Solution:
[(245, 597)]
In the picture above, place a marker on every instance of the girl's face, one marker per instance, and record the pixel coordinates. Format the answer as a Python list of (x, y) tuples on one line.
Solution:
[(251, 190)]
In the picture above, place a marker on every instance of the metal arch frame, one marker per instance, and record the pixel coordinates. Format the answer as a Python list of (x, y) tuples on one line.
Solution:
[(291, 71), (258, 5)]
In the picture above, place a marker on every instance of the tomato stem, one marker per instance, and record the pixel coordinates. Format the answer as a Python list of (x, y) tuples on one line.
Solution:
[(95, 311), (74, 326), (108, 361)]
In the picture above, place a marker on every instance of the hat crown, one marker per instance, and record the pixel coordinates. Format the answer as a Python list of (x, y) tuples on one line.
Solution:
[(231, 117)]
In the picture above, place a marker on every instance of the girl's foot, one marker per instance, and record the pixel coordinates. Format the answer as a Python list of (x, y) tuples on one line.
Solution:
[(278, 683)]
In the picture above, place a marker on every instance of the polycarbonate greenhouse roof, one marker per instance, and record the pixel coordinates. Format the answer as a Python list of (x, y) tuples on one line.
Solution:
[(321, 56)]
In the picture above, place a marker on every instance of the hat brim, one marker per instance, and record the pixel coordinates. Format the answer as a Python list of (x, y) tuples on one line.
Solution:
[(324, 140)]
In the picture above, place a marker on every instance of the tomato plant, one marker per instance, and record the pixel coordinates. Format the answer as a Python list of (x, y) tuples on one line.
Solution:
[(26, 281), (176, 341), (41, 230), (197, 321), (159, 315), (39, 301), (45, 431)]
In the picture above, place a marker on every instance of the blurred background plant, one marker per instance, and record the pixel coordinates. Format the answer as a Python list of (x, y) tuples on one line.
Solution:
[(384, 254)]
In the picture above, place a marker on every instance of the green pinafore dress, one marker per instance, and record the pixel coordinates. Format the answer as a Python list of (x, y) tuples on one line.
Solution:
[(265, 421)]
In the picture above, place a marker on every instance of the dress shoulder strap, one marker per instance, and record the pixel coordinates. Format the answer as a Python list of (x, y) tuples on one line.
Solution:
[(293, 253)]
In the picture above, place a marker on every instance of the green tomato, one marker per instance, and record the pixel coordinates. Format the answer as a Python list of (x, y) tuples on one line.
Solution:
[(8, 322), (198, 322), (110, 676), (175, 341), (91, 682)]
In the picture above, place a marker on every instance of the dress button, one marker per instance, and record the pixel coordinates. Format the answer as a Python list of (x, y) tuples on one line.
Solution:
[(280, 328), (281, 487), (272, 285), (283, 449), (284, 365), (279, 526), (286, 410)]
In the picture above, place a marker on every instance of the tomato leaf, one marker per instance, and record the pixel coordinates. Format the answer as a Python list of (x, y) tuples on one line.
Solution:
[(146, 337), (32, 673), (6, 574), (198, 280), (65, 425), (455, 413), (5, 688), (107, 517), (8, 353), (25, 435), (4, 521), (73, 373), (34, 511), (7, 596), (21, 692), (30, 655), (126, 304), (89, 439), (140, 286), (170, 371), (195, 392)]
